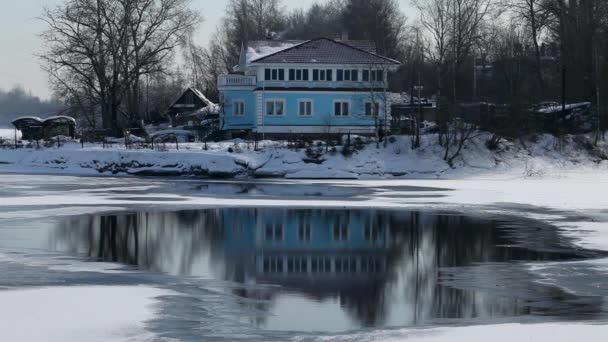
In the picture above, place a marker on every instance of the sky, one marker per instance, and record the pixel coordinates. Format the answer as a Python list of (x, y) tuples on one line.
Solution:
[(20, 29)]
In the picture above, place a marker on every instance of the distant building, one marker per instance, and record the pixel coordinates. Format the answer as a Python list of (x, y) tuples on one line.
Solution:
[(35, 128), (188, 108), (319, 86)]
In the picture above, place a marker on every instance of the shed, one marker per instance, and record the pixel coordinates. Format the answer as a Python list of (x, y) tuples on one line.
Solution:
[(35, 128), (58, 125), (30, 127)]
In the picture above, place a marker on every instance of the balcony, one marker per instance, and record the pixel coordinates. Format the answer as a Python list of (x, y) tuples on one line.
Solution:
[(236, 81)]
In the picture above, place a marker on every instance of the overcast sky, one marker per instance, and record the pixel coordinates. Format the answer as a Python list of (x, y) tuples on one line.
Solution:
[(19, 39)]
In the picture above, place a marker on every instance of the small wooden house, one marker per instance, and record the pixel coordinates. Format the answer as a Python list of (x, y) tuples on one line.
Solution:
[(189, 102)]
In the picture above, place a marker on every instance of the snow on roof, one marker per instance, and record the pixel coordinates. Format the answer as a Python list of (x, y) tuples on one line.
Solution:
[(558, 108), (59, 118), (202, 97), (213, 109), (23, 118), (197, 93), (261, 48)]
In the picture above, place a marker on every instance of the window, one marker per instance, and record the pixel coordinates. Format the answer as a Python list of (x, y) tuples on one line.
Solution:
[(340, 232), (377, 75), (371, 233), (348, 75), (273, 265), (373, 76), (298, 74), (370, 265), (305, 107), (341, 108), (369, 111), (304, 232), (297, 265), (275, 107), (320, 265), (274, 232), (365, 76), (239, 108), (346, 265), (274, 74), (322, 75)]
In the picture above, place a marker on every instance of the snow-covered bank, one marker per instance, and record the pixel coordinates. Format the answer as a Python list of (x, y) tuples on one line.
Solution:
[(92, 313), (542, 156), (498, 333)]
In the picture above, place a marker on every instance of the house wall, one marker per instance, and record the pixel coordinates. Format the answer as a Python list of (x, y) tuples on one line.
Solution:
[(233, 122), (320, 121)]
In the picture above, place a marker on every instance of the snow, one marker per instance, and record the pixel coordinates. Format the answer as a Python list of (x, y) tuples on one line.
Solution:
[(65, 314), (564, 332), (558, 108), (9, 133), (261, 49), (60, 118)]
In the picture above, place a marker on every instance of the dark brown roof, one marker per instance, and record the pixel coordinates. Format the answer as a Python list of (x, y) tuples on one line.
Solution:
[(326, 51)]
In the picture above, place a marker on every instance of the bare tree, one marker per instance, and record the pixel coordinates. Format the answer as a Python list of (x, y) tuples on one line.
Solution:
[(102, 48)]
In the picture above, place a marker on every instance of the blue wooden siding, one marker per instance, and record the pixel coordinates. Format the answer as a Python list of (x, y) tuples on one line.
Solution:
[(233, 122), (322, 108), (248, 230)]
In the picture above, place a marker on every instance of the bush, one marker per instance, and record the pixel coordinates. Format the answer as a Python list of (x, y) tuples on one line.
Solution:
[(347, 150), (493, 143), (359, 144)]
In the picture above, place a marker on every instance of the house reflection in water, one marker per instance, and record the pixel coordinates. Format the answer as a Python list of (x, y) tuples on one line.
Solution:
[(316, 252), (335, 269)]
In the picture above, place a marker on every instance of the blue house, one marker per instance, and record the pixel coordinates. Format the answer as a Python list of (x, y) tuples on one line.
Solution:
[(320, 86)]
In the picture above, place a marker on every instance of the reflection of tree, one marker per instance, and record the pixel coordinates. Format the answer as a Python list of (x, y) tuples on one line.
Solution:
[(165, 242)]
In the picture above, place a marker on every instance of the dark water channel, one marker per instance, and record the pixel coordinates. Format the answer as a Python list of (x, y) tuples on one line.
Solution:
[(337, 270)]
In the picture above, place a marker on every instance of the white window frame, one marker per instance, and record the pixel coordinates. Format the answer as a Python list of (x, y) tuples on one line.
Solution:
[(350, 108), (235, 106), (371, 115), (274, 109), (307, 226), (312, 107), (343, 232), (275, 228)]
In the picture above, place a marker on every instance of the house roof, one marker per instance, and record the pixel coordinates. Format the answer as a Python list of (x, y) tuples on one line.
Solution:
[(196, 93), (327, 51)]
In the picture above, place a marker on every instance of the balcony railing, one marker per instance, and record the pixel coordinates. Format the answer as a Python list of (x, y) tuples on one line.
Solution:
[(236, 81)]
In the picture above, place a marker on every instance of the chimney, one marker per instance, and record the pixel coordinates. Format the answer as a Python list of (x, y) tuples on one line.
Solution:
[(344, 36)]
